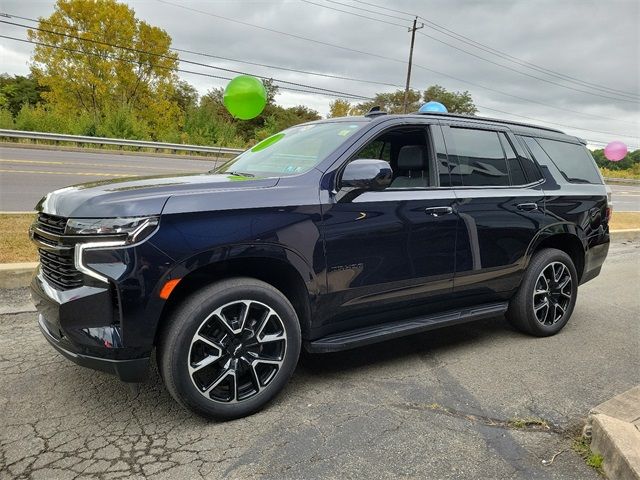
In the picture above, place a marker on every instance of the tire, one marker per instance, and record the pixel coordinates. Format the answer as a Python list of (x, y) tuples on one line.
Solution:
[(544, 302), (230, 348)]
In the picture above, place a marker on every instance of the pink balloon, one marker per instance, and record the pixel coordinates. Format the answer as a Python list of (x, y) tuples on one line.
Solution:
[(615, 151)]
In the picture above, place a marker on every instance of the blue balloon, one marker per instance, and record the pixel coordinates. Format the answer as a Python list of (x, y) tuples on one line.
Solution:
[(433, 107)]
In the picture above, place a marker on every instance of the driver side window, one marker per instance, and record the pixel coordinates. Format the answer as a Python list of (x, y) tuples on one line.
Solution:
[(408, 152)]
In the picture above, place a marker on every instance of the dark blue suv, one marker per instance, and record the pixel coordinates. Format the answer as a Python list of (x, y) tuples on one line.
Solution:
[(328, 236)]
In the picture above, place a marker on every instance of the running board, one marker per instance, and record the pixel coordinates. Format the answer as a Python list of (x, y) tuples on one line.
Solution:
[(386, 331)]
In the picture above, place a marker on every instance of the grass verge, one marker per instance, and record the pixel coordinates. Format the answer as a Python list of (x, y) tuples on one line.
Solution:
[(630, 173), (16, 246), (14, 238), (624, 220)]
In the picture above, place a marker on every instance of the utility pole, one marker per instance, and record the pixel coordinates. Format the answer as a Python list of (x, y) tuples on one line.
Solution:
[(413, 38)]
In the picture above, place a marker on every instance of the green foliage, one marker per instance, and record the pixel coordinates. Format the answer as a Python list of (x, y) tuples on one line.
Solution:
[(123, 123), (392, 102), (339, 108), (628, 162), (456, 102), (17, 91), (42, 119), (185, 95), (141, 76), (6, 119), (595, 461)]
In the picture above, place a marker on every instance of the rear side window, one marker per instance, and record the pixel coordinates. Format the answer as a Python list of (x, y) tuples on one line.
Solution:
[(573, 160), (518, 177), (481, 161)]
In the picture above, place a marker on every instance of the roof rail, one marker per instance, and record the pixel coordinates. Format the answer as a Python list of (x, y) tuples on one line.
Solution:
[(489, 119)]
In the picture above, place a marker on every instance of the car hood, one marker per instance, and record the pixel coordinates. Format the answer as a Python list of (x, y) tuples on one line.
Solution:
[(139, 196)]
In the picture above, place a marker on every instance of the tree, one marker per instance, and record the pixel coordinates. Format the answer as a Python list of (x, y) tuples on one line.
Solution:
[(17, 91), (339, 108), (392, 102), (456, 102), (185, 95), (84, 69)]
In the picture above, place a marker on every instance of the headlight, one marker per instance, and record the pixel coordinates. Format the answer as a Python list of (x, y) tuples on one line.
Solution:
[(130, 229), (116, 232)]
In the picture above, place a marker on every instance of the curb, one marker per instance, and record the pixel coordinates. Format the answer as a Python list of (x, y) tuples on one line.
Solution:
[(615, 434), (14, 275)]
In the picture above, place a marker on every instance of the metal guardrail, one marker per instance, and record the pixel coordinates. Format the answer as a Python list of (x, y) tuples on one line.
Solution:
[(60, 137)]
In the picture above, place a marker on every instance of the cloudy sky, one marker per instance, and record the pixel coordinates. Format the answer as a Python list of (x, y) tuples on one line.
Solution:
[(586, 52)]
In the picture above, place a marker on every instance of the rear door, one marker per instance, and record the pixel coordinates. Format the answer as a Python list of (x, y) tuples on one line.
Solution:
[(576, 197), (500, 203)]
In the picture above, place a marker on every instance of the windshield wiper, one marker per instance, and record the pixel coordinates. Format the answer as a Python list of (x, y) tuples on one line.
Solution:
[(240, 174)]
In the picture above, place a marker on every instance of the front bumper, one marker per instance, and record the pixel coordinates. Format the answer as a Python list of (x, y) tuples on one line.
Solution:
[(83, 324), (133, 370)]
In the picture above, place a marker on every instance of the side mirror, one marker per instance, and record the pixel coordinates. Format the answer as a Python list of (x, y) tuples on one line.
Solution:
[(367, 174)]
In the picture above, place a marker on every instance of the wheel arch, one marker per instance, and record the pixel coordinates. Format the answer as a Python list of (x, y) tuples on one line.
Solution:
[(274, 264), (565, 237)]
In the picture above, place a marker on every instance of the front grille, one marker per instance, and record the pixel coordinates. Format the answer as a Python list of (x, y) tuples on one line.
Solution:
[(56, 253), (59, 269), (51, 223)]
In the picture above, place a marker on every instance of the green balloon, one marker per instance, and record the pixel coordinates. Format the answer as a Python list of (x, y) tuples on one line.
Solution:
[(245, 97)]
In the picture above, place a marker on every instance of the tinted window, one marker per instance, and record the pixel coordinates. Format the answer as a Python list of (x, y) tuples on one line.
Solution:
[(441, 155), (480, 157), (518, 177), (573, 160)]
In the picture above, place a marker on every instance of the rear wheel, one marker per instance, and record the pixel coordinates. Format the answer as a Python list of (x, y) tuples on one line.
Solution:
[(230, 348), (546, 298)]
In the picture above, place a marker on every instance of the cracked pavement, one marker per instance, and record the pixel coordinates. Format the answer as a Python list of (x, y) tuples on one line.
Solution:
[(438, 405)]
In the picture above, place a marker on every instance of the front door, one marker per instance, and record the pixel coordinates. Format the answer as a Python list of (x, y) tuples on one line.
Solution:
[(391, 254)]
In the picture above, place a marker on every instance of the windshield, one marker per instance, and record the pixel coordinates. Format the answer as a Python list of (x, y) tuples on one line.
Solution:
[(292, 151)]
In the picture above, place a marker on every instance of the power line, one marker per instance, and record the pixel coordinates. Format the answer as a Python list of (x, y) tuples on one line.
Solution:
[(377, 13), (552, 82), (104, 56), (462, 38), (229, 59), (559, 124), (355, 14), (480, 57), (300, 37), (312, 90), (272, 30), (175, 69), (186, 61)]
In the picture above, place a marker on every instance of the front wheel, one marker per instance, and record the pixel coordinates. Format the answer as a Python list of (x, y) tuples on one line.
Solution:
[(230, 348), (547, 295)]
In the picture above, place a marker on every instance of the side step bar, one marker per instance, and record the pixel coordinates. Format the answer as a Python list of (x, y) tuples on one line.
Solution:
[(386, 331)]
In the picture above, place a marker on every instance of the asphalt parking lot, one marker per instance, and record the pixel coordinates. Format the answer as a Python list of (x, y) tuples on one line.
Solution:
[(446, 404)]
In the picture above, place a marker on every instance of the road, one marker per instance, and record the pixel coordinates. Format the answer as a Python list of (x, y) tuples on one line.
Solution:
[(439, 405), (27, 174)]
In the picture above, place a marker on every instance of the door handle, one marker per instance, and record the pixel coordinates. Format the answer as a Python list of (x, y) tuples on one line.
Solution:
[(527, 207), (438, 211)]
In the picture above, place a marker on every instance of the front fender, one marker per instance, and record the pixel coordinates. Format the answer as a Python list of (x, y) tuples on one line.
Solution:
[(246, 251)]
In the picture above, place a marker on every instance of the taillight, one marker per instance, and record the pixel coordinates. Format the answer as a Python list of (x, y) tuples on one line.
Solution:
[(609, 211)]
